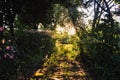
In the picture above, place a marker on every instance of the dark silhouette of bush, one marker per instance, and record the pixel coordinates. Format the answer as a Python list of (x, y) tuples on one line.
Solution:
[(33, 47)]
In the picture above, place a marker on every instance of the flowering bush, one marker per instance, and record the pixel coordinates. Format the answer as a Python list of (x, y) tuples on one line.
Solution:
[(7, 50), (8, 65)]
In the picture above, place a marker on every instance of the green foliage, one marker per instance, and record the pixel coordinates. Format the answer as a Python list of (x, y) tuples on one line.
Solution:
[(8, 69), (33, 41), (102, 46), (66, 46), (20, 25), (117, 1), (33, 46)]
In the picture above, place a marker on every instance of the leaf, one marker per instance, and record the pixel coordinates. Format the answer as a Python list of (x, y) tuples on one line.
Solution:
[(38, 73)]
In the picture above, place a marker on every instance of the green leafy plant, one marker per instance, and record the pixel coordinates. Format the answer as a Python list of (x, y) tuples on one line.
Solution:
[(101, 45), (33, 47)]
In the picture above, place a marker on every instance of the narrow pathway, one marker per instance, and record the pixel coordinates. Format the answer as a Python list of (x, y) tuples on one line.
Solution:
[(63, 65), (64, 70)]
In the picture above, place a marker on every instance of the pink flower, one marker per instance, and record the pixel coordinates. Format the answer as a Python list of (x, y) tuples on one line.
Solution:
[(1, 29), (11, 56), (5, 56), (7, 47)]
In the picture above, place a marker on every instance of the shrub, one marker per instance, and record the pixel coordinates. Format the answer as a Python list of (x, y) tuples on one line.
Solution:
[(33, 46), (102, 45)]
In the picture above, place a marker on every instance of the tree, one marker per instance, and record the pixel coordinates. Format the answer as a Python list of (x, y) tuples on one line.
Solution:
[(102, 8), (34, 12), (101, 44)]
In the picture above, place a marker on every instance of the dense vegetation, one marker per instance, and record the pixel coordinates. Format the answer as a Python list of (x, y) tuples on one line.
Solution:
[(32, 47)]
